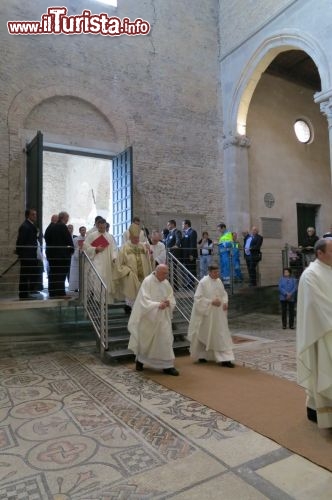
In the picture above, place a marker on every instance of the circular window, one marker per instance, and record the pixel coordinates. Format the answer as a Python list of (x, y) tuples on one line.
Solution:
[(303, 131)]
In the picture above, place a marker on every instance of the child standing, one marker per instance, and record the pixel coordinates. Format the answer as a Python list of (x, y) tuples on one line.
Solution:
[(287, 296)]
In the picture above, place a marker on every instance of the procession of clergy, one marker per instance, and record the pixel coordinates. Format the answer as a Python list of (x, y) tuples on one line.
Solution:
[(137, 273)]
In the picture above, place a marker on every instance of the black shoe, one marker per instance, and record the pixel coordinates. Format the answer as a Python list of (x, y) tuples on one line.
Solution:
[(127, 309), (139, 366), (284, 327), (202, 360), (312, 415), (171, 371), (228, 364), (292, 327)]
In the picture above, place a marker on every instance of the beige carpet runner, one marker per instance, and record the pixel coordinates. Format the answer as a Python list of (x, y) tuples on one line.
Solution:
[(269, 405)]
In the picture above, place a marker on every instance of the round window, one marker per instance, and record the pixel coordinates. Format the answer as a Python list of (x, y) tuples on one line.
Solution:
[(303, 131)]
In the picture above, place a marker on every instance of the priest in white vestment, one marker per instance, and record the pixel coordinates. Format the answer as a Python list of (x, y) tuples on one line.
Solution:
[(150, 323), (74, 274), (208, 331), (157, 248), (314, 334), (101, 248)]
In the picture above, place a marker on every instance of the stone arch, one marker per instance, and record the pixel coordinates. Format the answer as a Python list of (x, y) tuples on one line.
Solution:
[(258, 63), (28, 100), (70, 115)]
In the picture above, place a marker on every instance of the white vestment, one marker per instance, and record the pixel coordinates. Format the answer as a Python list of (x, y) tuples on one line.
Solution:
[(103, 261), (92, 230), (314, 339), (159, 252), (151, 336), (75, 262), (208, 330)]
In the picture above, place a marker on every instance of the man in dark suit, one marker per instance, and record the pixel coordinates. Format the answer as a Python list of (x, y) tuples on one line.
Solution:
[(252, 253), (59, 248), (26, 249), (173, 245), (189, 246)]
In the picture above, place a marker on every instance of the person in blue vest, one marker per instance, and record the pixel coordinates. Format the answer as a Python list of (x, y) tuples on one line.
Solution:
[(225, 244), (236, 259)]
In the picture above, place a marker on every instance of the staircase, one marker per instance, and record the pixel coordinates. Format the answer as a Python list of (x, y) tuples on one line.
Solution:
[(118, 335), (44, 325), (88, 319)]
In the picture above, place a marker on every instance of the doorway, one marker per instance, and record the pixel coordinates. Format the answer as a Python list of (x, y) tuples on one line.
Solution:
[(80, 185), (83, 183), (306, 216)]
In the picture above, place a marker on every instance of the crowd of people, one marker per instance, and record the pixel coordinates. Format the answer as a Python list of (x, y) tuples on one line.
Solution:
[(137, 272), (126, 266)]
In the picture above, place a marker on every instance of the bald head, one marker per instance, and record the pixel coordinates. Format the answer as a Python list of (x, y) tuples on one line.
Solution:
[(323, 250), (161, 272)]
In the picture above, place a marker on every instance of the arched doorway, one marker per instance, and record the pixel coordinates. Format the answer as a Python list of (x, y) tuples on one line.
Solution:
[(295, 172), (73, 174), (263, 160)]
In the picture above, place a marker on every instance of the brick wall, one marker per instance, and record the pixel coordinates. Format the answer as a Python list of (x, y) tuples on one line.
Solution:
[(158, 93)]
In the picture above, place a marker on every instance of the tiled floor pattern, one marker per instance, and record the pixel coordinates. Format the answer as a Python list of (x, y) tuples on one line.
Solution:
[(74, 428)]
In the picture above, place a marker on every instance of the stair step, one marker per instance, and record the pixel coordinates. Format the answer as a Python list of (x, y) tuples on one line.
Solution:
[(112, 339), (118, 353), (121, 353), (125, 337), (181, 344)]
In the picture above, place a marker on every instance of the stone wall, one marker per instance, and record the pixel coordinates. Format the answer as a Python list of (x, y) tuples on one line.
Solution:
[(279, 164), (239, 19), (158, 93)]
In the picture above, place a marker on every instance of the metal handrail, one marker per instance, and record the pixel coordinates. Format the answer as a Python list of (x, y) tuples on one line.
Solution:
[(94, 297), (184, 284), (9, 267), (293, 257)]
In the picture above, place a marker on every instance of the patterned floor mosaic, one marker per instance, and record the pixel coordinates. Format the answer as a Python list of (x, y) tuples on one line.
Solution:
[(74, 428)]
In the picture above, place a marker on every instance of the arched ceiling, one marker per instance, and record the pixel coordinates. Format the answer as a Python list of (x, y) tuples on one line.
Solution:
[(296, 66)]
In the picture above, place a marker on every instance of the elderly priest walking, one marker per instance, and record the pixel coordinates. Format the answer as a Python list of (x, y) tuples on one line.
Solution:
[(150, 323), (208, 327), (314, 334)]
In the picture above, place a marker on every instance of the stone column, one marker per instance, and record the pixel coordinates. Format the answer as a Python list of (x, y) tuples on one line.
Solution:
[(236, 182), (326, 109)]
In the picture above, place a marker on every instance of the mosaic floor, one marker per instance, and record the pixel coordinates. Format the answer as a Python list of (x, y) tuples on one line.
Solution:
[(74, 428)]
